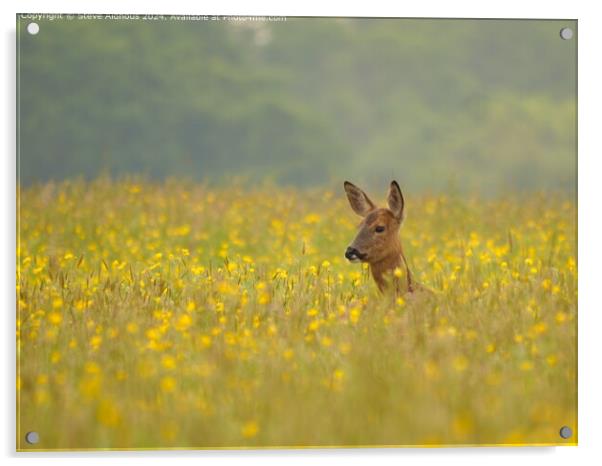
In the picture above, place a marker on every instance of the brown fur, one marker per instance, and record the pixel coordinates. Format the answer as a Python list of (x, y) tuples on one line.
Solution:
[(381, 250)]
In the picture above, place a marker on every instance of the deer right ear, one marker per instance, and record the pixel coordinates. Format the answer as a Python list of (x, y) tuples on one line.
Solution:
[(360, 202), (395, 200)]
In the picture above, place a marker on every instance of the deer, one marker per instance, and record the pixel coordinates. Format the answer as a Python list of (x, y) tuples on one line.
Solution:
[(377, 242)]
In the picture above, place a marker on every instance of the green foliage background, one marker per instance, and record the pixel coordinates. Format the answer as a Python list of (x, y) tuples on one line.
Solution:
[(474, 105)]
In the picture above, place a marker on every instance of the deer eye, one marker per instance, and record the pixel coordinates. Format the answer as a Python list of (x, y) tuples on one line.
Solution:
[(379, 229)]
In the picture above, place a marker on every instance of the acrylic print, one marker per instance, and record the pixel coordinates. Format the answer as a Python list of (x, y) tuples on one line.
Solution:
[(270, 232)]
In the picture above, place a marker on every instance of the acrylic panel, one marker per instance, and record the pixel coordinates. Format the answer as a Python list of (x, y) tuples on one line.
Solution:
[(286, 232)]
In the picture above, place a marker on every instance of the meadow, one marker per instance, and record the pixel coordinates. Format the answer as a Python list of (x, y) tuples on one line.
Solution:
[(171, 314)]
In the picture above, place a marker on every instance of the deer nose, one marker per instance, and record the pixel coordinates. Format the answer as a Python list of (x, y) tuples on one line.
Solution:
[(352, 253)]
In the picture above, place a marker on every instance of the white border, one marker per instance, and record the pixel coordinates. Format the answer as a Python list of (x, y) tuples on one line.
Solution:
[(590, 231)]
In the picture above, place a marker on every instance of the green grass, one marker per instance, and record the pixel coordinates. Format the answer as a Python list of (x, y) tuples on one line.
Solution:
[(167, 315)]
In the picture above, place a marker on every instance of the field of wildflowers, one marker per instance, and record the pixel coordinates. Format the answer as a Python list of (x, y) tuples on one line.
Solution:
[(159, 315)]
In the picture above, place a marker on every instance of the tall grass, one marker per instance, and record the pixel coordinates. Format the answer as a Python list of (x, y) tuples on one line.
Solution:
[(167, 315)]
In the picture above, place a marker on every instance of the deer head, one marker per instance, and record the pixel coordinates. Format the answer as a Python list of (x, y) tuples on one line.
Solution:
[(377, 241)]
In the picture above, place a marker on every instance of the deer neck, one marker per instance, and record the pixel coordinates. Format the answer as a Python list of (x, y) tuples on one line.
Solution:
[(383, 269)]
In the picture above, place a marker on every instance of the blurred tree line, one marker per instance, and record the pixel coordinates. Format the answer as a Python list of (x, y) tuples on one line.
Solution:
[(471, 105)]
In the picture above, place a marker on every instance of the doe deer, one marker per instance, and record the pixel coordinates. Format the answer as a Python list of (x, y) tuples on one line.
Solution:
[(377, 242)]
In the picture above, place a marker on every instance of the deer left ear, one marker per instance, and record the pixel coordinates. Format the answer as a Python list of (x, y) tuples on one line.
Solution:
[(395, 200)]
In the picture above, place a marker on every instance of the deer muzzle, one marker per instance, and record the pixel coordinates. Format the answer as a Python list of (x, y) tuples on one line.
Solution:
[(353, 255)]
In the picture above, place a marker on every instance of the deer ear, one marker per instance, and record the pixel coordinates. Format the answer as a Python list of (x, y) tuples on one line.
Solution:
[(395, 200), (360, 202)]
